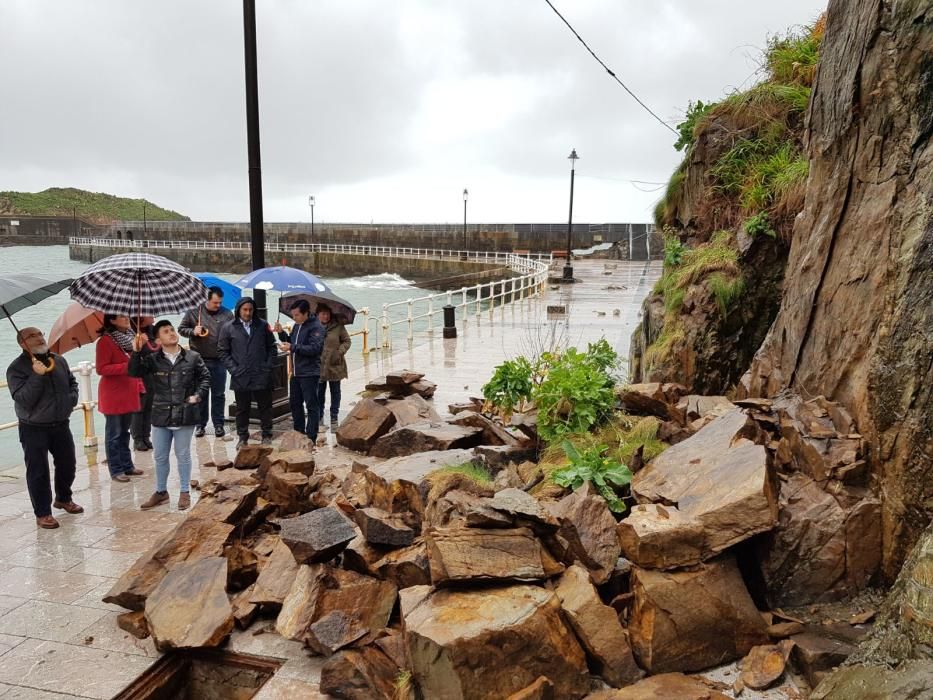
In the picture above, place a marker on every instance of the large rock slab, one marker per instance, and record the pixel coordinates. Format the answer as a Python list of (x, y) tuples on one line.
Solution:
[(493, 433), (360, 674), (226, 504), (317, 536), (396, 485), (724, 493), (425, 437), (666, 686), (289, 491), (823, 548), (189, 608), (651, 399), (597, 627), (461, 554), (275, 577), (912, 679), (587, 533), (691, 620), (367, 422), (251, 456), (457, 641), (523, 509), (411, 409), (382, 528), (193, 539)]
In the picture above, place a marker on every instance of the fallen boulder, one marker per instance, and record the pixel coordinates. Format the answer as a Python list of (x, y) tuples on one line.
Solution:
[(456, 640), (493, 433), (691, 620), (587, 533), (597, 627), (764, 665), (192, 540), (289, 491), (251, 456), (723, 490), (189, 608), (651, 399), (666, 686), (134, 622), (317, 536), (366, 423), (461, 554), (382, 528), (226, 503), (275, 577), (425, 437), (359, 674), (499, 456), (411, 409)]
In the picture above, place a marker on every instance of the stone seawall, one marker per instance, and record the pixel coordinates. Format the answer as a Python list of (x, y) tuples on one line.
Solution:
[(442, 274)]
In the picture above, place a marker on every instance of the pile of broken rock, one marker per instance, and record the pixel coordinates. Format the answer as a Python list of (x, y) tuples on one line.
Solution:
[(481, 590)]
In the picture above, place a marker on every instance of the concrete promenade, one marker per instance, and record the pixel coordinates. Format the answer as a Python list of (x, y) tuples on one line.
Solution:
[(58, 640)]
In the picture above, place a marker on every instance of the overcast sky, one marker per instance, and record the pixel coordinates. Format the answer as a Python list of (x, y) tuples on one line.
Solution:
[(383, 109)]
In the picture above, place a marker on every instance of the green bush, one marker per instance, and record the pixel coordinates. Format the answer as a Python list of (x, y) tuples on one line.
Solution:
[(673, 251), (759, 224), (695, 112), (594, 467), (510, 387)]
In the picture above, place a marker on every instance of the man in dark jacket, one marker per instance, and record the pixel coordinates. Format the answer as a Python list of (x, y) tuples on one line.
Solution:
[(304, 345), (202, 325), (44, 393), (247, 348), (180, 381)]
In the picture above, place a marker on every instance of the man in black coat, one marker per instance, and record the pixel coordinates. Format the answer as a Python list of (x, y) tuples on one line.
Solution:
[(44, 393), (304, 344), (247, 349)]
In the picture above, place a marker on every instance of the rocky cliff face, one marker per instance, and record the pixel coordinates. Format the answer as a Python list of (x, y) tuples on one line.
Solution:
[(856, 317)]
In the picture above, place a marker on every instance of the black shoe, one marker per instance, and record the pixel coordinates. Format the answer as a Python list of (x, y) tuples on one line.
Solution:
[(219, 431), (266, 441), (199, 431), (140, 445), (241, 443), (148, 443)]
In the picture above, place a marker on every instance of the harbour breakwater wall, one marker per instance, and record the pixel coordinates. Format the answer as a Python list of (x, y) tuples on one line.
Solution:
[(440, 274), (535, 238)]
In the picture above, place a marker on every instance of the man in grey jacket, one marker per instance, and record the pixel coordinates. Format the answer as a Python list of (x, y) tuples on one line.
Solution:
[(44, 393), (202, 325)]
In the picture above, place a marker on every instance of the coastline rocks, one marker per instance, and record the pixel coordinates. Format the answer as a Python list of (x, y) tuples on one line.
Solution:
[(317, 536), (425, 437)]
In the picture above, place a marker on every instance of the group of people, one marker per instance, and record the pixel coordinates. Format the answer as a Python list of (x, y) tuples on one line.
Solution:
[(161, 394)]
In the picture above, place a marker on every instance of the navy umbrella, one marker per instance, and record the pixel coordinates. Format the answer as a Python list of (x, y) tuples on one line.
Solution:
[(282, 279), (340, 308)]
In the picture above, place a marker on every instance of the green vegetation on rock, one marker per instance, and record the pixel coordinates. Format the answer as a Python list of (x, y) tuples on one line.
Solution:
[(98, 207), (472, 471)]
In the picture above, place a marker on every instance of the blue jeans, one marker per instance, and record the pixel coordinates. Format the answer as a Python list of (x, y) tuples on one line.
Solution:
[(162, 439), (218, 393), (334, 399), (117, 443), (303, 393)]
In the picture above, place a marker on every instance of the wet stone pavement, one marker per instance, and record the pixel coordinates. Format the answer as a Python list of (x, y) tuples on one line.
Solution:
[(58, 640)]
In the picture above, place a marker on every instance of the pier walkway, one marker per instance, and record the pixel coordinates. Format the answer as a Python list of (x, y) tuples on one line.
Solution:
[(58, 640)]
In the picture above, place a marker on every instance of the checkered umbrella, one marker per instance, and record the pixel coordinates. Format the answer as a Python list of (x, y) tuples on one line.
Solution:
[(138, 284)]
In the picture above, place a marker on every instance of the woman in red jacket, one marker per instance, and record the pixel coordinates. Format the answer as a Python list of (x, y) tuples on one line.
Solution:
[(117, 394)]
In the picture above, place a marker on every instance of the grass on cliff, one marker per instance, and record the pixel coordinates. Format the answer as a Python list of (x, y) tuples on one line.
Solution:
[(472, 471), (93, 206)]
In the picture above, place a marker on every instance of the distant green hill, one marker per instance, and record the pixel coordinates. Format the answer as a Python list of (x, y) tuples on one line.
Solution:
[(98, 207)]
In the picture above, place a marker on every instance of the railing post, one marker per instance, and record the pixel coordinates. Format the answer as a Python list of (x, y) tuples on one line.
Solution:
[(365, 312), (479, 296), (430, 314), (385, 325), (411, 336), (87, 403)]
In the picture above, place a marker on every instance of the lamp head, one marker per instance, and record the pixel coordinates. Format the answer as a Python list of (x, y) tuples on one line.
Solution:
[(573, 157), (465, 194)]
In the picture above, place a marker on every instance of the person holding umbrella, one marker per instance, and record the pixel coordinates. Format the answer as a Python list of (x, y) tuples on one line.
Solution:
[(304, 345), (44, 393), (118, 394), (141, 423), (247, 348), (333, 362), (180, 381), (202, 325)]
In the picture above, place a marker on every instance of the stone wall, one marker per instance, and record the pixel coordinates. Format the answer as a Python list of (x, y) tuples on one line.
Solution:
[(42, 230), (538, 238)]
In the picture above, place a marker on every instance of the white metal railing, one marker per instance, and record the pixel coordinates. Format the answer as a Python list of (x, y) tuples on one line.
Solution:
[(489, 256), (86, 403)]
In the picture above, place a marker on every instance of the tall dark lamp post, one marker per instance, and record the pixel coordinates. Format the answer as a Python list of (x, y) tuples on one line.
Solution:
[(145, 223), (256, 240), (311, 204), (568, 268), (465, 195)]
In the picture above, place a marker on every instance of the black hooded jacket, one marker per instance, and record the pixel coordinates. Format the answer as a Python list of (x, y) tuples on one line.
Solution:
[(249, 357)]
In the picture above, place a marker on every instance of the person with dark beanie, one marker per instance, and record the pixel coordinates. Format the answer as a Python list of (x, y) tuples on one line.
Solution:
[(44, 393), (247, 349), (180, 382)]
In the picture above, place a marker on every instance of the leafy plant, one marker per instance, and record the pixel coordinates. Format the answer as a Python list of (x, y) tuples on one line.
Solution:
[(594, 467), (695, 112), (576, 392), (673, 251), (510, 387), (759, 224)]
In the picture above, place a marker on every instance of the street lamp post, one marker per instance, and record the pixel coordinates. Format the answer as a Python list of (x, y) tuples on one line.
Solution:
[(145, 225), (568, 268), (311, 204), (465, 195)]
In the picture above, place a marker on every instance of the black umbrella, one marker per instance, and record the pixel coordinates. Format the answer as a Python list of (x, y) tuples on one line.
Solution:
[(340, 308), (18, 291)]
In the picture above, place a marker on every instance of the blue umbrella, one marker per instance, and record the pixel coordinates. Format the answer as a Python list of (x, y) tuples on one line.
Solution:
[(232, 293), (282, 279)]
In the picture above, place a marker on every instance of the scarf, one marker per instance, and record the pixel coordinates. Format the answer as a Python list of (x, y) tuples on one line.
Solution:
[(124, 339)]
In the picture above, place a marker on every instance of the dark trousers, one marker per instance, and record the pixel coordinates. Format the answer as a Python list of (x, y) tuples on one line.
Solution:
[(334, 399), (117, 443), (218, 391), (141, 426), (38, 442), (263, 401), (303, 394)]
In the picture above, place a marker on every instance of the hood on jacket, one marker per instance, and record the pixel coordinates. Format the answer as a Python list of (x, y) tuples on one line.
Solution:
[(240, 303)]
